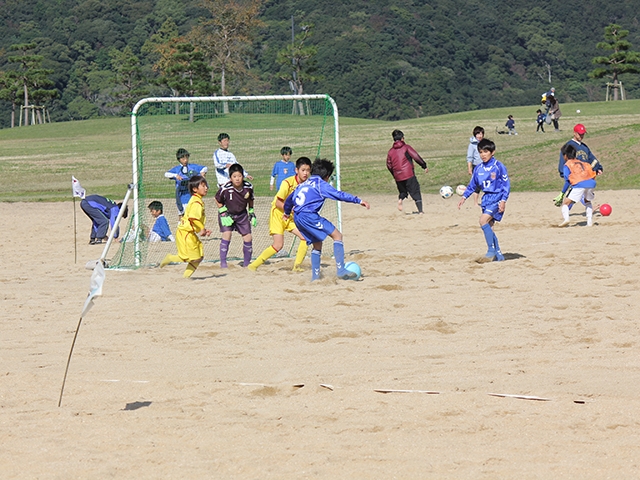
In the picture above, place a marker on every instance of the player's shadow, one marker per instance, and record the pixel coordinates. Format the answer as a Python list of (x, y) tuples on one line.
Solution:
[(512, 256), (136, 405)]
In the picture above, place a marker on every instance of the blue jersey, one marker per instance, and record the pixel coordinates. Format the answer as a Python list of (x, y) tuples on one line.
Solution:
[(282, 170), (492, 178), (186, 172), (161, 227), (583, 154), (309, 196)]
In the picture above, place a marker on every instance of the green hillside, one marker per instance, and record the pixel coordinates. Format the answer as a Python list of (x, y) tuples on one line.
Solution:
[(36, 163)]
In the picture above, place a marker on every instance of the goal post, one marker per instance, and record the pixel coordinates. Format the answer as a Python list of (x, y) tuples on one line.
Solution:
[(258, 126)]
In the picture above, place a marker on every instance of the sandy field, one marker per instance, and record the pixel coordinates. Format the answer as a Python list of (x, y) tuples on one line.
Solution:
[(239, 374)]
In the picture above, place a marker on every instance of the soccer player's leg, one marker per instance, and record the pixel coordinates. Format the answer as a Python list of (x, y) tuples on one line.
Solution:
[(224, 246), (301, 252), (338, 253), (276, 230), (413, 187), (402, 192), (588, 197), (486, 222), (314, 229)]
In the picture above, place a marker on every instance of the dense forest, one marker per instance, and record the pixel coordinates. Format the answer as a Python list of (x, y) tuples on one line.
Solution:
[(383, 59)]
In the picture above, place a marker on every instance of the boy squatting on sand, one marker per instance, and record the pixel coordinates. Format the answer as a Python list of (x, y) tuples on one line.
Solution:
[(277, 225), (492, 176), (190, 248), (305, 202)]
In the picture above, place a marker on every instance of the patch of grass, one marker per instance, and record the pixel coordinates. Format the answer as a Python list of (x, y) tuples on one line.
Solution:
[(36, 162)]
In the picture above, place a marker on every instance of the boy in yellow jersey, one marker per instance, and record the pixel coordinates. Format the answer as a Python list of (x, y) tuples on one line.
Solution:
[(190, 248), (277, 226)]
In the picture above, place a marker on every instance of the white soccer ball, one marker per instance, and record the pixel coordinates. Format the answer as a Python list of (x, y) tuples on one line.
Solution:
[(577, 111), (446, 191)]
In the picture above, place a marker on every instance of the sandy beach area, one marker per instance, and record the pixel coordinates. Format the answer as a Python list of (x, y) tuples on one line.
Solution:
[(240, 374)]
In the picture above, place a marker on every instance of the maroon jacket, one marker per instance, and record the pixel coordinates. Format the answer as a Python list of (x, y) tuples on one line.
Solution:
[(399, 161)]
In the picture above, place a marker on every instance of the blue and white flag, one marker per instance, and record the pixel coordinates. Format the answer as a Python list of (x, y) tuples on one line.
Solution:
[(77, 189), (97, 280)]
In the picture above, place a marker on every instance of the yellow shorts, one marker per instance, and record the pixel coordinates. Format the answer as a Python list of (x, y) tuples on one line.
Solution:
[(189, 246), (277, 226)]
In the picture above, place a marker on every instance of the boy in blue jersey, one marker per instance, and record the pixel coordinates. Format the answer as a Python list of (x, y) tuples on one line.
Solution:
[(182, 174), (493, 179), (160, 231), (305, 202), (581, 177), (511, 125), (282, 169), (103, 213)]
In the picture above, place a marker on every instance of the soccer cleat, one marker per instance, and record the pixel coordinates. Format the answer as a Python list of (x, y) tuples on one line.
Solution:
[(92, 241), (499, 257), (589, 223), (297, 268), (564, 223), (252, 266), (491, 254), (345, 274)]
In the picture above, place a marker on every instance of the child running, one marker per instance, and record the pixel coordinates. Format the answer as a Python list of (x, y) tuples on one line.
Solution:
[(233, 198), (306, 201), (277, 225), (190, 248), (581, 177), (493, 178)]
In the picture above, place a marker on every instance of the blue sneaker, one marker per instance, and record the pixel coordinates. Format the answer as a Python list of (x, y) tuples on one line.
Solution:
[(345, 274), (489, 257)]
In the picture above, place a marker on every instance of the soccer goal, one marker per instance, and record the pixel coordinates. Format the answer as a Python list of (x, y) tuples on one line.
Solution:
[(258, 126)]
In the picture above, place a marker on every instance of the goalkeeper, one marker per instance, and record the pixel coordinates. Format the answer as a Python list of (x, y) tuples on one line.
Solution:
[(277, 225), (233, 198)]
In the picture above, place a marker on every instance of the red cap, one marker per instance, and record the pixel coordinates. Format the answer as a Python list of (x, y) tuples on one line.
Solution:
[(579, 129)]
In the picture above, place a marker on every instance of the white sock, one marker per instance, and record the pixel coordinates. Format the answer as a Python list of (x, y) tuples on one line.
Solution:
[(565, 212)]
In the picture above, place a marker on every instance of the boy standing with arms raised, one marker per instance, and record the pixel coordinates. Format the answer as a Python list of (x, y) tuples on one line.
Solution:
[(400, 164), (493, 179), (277, 225), (181, 174), (306, 201)]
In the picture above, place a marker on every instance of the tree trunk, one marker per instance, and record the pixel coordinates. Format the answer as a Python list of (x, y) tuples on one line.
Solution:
[(616, 86), (13, 114), (26, 104), (223, 89)]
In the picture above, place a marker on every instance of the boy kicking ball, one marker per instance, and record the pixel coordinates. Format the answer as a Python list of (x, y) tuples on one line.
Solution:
[(492, 178), (306, 201)]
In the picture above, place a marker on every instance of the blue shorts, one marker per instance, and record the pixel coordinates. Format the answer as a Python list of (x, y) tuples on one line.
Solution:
[(313, 227), (490, 203), (241, 224)]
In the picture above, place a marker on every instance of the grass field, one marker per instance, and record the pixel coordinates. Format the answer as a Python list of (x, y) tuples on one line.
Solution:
[(36, 162)]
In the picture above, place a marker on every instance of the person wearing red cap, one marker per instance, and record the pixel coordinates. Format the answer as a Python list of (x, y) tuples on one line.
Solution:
[(583, 153)]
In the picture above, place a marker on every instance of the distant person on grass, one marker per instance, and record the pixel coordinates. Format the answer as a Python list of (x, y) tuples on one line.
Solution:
[(283, 168), (511, 125), (233, 199), (277, 225), (181, 174), (192, 224), (305, 202), (540, 121), (492, 176), (582, 179), (473, 156), (400, 163)]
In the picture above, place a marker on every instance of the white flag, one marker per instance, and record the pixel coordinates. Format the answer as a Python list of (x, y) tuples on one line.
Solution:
[(97, 280), (77, 189)]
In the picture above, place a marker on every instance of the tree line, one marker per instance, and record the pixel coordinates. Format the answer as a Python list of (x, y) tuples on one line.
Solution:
[(378, 58)]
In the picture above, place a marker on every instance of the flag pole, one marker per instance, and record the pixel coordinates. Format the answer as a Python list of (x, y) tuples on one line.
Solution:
[(75, 233), (66, 370)]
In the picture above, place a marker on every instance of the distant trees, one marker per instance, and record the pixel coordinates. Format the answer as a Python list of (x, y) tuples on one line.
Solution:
[(621, 60)]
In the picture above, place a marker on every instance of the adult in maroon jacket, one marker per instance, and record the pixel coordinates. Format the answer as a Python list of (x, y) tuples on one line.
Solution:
[(400, 163)]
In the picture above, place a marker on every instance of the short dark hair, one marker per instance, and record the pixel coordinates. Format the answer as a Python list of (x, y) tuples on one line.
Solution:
[(286, 150), (236, 167), (182, 152), (322, 167), (126, 209), (486, 144), (568, 151), (538, 111), (478, 130), (222, 136), (397, 135), (303, 161), (195, 182), (510, 116), (155, 205)]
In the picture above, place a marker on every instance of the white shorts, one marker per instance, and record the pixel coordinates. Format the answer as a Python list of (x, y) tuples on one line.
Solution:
[(576, 194)]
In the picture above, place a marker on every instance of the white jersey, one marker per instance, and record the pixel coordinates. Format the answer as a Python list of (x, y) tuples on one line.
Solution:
[(220, 160)]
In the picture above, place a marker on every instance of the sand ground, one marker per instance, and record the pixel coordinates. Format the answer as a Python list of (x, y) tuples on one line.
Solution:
[(174, 378)]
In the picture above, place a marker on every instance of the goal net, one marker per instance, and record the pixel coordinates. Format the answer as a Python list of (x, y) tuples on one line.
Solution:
[(258, 128)]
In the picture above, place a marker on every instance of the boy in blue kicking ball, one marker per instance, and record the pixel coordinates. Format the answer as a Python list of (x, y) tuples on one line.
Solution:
[(492, 177), (306, 201)]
